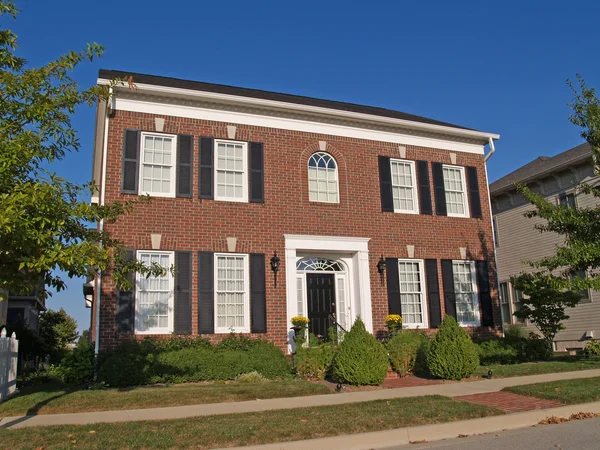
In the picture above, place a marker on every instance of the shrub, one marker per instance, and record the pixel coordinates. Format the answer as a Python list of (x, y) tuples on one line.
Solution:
[(250, 377), (537, 348), (313, 361), (126, 365), (37, 377), (497, 351), (452, 354), (592, 348), (77, 366), (360, 359), (403, 350)]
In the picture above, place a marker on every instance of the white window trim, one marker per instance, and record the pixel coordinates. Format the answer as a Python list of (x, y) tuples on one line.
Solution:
[(477, 322), (424, 304), (171, 310), (337, 179), (171, 192), (413, 175), (464, 193), (246, 329), (245, 176)]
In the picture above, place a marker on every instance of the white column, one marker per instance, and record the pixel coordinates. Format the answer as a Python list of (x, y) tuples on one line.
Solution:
[(290, 293)]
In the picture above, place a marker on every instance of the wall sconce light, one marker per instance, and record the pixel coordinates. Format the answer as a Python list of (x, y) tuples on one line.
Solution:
[(275, 266), (381, 265)]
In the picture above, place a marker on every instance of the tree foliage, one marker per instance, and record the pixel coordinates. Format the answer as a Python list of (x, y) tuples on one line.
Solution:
[(57, 330), (553, 285), (45, 219)]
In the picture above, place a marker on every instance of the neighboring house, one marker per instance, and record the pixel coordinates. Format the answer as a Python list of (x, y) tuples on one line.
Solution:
[(26, 309), (518, 241), (370, 211)]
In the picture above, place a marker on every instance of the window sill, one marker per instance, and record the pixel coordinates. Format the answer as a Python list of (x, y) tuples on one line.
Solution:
[(151, 194), (462, 216), (230, 330), (399, 211), (414, 326), (233, 200), (469, 324), (155, 331)]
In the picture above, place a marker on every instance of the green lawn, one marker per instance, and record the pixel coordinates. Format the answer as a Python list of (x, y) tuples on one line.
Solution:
[(250, 428), (54, 398), (566, 391), (563, 364)]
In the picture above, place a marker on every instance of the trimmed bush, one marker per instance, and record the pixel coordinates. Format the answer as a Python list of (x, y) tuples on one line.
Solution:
[(77, 366), (403, 350), (251, 377), (497, 351), (592, 348), (452, 354), (360, 359), (537, 348), (315, 360), (127, 365)]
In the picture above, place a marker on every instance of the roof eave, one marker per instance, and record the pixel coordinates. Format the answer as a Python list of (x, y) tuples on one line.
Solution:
[(250, 101)]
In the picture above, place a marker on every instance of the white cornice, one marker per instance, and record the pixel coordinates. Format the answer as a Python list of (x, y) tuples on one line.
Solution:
[(256, 102)]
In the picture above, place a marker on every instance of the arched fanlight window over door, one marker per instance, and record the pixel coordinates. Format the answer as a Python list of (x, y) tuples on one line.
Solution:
[(323, 178), (319, 264)]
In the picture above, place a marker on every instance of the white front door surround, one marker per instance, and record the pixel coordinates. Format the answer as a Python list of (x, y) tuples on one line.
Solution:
[(353, 251)]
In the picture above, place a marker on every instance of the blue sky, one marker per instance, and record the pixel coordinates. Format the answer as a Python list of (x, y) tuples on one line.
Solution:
[(493, 66)]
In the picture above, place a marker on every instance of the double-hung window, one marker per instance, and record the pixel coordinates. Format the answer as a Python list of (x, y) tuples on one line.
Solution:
[(154, 295), (412, 293), (456, 192), (505, 303), (465, 292), (404, 191), (323, 178), (231, 180), (232, 293), (517, 297), (157, 168), (567, 200)]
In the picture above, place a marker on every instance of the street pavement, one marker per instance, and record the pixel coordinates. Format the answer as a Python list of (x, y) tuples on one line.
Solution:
[(573, 435)]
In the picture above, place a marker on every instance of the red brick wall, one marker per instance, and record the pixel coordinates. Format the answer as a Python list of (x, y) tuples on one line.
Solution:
[(195, 224)]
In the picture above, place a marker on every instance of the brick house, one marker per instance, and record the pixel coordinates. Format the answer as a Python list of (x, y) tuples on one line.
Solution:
[(335, 189)]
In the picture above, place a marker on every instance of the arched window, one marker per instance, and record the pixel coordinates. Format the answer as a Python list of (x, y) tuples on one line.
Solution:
[(322, 178), (319, 264)]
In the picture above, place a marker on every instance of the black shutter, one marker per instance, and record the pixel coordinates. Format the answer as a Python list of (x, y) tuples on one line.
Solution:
[(258, 294), (393, 286), (257, 172), (433, 293), (183, 292), (131, 158), (474, 197), (126, 303), (485, 297), (448, 282), (424, 187), (439, 192), (385, 184), (185, 152), (206, 293), (205, 169)]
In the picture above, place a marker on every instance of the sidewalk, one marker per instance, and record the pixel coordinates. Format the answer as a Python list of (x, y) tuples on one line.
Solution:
[(181, 412)]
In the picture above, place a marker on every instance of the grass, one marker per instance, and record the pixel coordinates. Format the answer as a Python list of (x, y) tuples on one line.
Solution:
[(566, 391), (563, 364), (250, 428), (56, 398)]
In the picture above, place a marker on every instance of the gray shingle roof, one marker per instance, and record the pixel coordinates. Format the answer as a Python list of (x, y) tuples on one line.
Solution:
[(267, 95), (541, 166)]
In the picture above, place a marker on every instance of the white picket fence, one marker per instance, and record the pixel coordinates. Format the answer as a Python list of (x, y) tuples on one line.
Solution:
[(9, 353)]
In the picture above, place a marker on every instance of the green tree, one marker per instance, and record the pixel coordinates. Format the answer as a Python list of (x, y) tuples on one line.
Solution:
[(84, 338), (57, 330), (554, 282), (44, 219)]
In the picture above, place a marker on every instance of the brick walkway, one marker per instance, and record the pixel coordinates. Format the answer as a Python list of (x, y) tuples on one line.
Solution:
[(509, 402)]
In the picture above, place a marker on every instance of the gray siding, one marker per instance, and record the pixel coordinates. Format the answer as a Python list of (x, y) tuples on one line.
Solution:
[(519, 241)]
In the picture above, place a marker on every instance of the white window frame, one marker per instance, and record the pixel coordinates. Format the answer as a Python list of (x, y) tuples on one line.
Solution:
[(413, 175), (246, 328), (464, 192), (476, 302), (245, 175), (171, 307), (171, 192), (424, 305), (337, 178)]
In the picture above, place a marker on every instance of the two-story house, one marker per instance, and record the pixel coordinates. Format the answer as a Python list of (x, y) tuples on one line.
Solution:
[(272, 205), (518, 241)]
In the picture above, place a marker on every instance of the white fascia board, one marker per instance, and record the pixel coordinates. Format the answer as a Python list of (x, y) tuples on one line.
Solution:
[(250, 101), (329, 243), (284, 123)]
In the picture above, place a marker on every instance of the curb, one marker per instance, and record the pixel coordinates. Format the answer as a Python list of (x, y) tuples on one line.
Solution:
[(435, 432)]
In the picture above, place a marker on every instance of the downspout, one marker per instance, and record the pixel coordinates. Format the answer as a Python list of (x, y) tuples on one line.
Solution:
[(102, 201), (485, 160)]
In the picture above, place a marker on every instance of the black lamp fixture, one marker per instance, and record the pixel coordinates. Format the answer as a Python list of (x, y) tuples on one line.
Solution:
[(275, 266), (381, 265)]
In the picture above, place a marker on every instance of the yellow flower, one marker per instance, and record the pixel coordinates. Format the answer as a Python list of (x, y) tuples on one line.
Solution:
[(299, 321), (393, 318)]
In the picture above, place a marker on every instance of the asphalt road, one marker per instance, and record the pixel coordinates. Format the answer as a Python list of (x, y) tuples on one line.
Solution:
[(574, 435)]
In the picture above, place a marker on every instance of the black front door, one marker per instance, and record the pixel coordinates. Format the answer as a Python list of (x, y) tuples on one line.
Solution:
[(321, 301)]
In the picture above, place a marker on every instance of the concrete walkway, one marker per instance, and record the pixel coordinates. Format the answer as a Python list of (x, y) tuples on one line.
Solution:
[(181, 412)]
